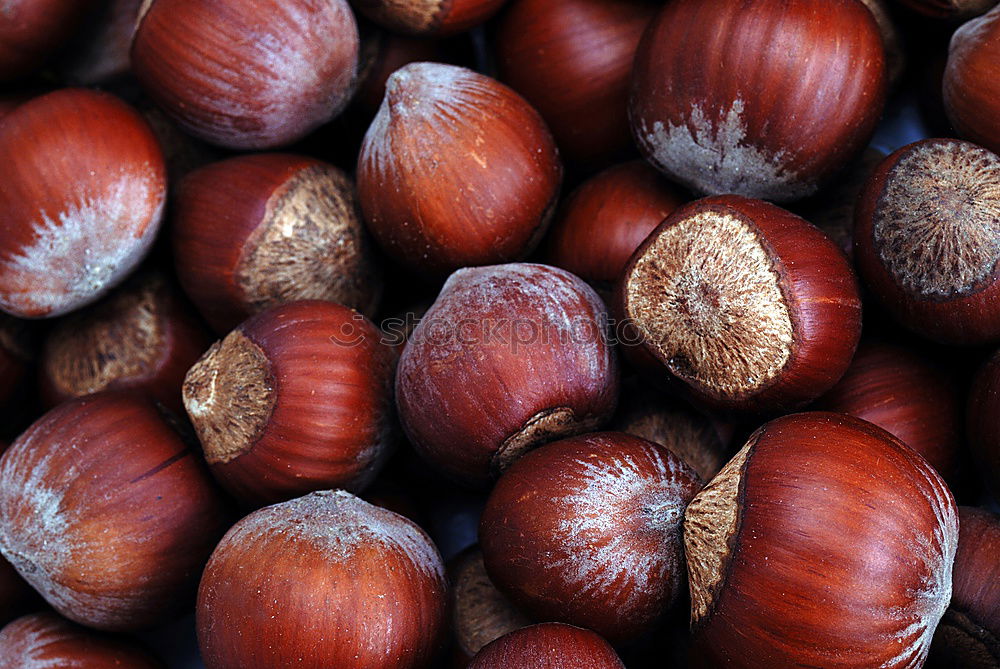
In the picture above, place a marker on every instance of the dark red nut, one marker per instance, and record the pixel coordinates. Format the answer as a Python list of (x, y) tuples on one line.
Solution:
[(456, 170), (507, 358), (913, 398), (895, 54), (31, 30), (298, 398), (247, 74), (925, 239), (142, 338), (700, 441), (984, 422), (389, 52), (572, 60), (81, 199), (428, 17), (971, 87), (325, 580), (587, 531), (46, 640), (100, 55), (107, 512), (15, 593), (256, 231), (766, 100), (969, 633), (826, 541), (742, 305), (601, 224), (548, 646), (950, 9), (479, 612)]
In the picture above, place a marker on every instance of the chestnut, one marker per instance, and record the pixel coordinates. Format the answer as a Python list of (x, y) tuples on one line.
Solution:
[(767, 100), (142, 338), (572, 60), (247, 74), (46, 640), (479, 612), (325, 580), (908, 395), (456, 170), (701, 441), (107, 513), (826, 541), (255, 231), (587, 531), (81, 200), (297, 398), (507, 358), (970, 86), (743, 306), (606, 218), (32, 30), (925, 239), (428, 17), (548, 646), (983, 426), (969, 633)]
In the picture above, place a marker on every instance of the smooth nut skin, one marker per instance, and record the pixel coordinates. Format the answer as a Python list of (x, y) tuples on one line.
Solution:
[(31, 30), (586, 531), (572, 61), (507, 358), (908, 395), (259, 230), (925, 240), (718, 105), (812, 298), (428, 17), (548, 646), (456, 170), (107, 513), (247, 74), (46, 640), (80, 203), (969, 633), (600, 225), (825, 542), (326, 580), (321, 414), (971, 89), (983, 426)]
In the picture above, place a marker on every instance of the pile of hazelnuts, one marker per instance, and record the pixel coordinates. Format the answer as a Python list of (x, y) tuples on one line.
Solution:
[(538, 335)]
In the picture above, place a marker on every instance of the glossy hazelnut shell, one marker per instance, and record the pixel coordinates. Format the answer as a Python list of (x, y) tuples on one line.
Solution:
[(586, 531), (969, 633), (825, 542), (315, 412), (456, 170), (971, 90), (107, 512), (572, 60), (32, 30), (473, 394), (82, 199), (603, 222), (908, 395), (735, 98), (548, 646), (325, 580), (258, 230), (428, 17), (967, 317), (141, 338), (818, 288), (247, 74), (46, 640)]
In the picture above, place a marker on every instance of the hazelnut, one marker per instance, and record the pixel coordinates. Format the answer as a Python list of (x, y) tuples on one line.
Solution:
[(548, 646), (46, 640)]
